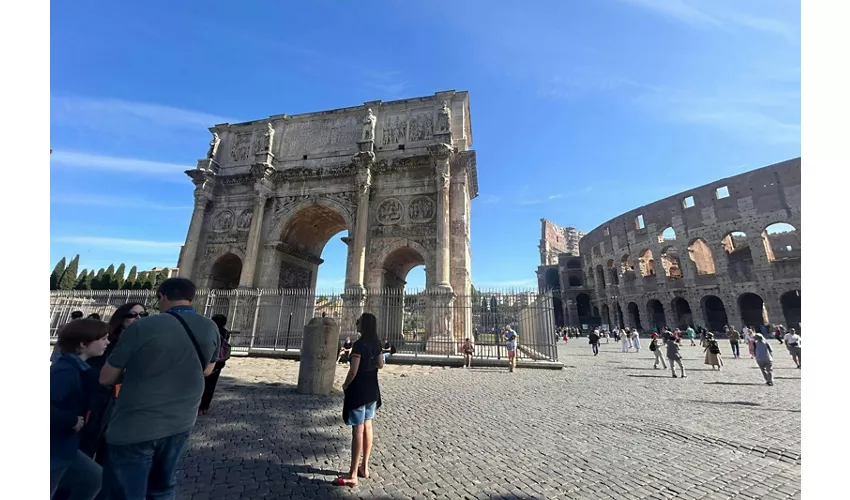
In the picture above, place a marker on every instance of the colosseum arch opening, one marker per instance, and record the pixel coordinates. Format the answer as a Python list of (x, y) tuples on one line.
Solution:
[(600, 276), (739, 256), (791, 308), (619, 315), (753, 312), (606, 315), (671, 263), (656, 311), (583, 307), (614, 276), (714, 312), (682, 311), (701, 255), (574, 281), (634, 315), (627, 269), (225, 272), (551, 280), (647, 263), (781, 242), (574, 264), (668, 234)]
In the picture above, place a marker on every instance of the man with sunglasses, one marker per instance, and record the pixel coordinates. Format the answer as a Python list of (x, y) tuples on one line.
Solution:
[(164, 359)]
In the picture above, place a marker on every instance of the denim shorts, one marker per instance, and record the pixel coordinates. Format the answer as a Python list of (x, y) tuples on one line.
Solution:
[(359, 415)]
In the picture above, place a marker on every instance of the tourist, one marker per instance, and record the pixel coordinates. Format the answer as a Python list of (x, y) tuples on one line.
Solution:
[(76, 315), (659, 357), (625, 340), (468, 350), (606, 334), (734, 338), (211, 380), (511, 344), (362, 397), (94, 316), (163, 359), (71, 388), (636, 340), (764, 358), (691, 334), (345, 351), (593, 339), (712, 352), (92, 441), (387, 350), (750, 339), (792, 342), (55, 354), (675, 356)]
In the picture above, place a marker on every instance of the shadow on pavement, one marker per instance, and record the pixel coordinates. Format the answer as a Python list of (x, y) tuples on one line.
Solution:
[(733, 383)]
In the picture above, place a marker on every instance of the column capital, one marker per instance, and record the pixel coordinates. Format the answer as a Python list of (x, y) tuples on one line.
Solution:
[(440, 151), (262, 171), (363, 159), (262, 190), (202, 197), (202, 178)]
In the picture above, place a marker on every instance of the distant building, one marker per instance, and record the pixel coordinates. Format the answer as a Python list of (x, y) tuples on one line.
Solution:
[(172, 271), (555, 240)]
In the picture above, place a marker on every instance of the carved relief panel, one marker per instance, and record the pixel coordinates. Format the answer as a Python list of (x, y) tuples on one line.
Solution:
[(240, 150), (294, 277), (421, 126), (421, 209), (390, 211), (394, 130), (243, 223), (222, 221)]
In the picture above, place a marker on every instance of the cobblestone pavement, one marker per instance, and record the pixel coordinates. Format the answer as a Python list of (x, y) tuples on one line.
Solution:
[(606, 426)]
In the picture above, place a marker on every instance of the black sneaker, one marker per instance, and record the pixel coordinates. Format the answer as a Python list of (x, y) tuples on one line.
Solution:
[(674, 376)]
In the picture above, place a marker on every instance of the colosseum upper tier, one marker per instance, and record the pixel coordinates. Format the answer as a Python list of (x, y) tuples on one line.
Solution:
[(724, 253)]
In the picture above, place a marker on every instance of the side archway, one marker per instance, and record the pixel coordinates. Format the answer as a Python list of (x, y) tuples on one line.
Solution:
[(225, 272), (647, 263), (714, 312), (552, 280), (606, 315), (600, 276), (751, 307), (670, 262), (656, 311), (634, 315), (781, 242), (739, 256), (791, 308), (612, 272), (682, 310), (583, 306), (701, 255)]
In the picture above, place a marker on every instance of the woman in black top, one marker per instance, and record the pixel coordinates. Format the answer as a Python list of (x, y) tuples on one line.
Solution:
[(362, 397), (211, 380)]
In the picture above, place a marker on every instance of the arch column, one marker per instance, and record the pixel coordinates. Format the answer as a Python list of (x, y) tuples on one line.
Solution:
[(442, 154), (189, 254), (249, 265), (354, 298)]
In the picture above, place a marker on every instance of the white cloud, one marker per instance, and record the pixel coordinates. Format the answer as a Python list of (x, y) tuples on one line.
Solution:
[(128, 245), (556, 196), (679, 10), (87, 161), (489, 198), (108, 201), (115, 114)]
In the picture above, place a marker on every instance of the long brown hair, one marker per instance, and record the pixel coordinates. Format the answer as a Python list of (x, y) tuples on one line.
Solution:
[(116, 321), (369, 327)]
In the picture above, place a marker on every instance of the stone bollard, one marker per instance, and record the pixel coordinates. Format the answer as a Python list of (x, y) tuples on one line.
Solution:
[(318, 356)]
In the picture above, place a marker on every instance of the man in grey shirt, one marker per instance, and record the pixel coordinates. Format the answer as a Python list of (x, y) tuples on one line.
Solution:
[(764, 358), (163, 379)]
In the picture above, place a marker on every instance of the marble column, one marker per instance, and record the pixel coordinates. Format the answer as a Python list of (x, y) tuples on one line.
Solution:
[(190, 249), (442, 156), (249, 266), (354, 296)]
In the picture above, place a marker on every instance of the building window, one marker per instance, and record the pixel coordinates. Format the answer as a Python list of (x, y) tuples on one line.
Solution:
[(606, 232), (639, 222), (722, 192), (688, 202)]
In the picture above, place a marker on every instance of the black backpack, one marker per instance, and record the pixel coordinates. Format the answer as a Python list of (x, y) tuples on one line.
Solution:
[(653, 346)]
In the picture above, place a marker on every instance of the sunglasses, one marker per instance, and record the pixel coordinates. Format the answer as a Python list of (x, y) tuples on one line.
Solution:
[(134, 315)]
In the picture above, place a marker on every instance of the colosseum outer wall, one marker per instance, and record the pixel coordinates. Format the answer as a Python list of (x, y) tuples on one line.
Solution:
[(715, 248)]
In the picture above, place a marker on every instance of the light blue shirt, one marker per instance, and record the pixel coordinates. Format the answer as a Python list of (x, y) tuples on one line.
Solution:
[(763, 351)]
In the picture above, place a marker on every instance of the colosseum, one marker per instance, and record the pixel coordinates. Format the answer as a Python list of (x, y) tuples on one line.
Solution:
[(726, 253)]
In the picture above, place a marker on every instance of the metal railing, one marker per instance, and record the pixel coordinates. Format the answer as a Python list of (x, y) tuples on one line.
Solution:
[(416, 322)]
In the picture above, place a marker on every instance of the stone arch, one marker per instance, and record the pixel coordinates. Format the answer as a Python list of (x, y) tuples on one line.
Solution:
[(597, 253), (739, 256), (583, 306), (225, 272), (671, 263), (394, 269), (751, 307), (656, 314), (627, 268), (791, 308), (574, 280), (551, 279), (382, 249), (701, 255), (600, 276), (668, 234), (618, 315), (279, 222), (646, 262), (558, 310), (574, 264), (682, 311), (781, 241), (714, 313), (634, 315), (606, 315), (614, 276), (595, 311)]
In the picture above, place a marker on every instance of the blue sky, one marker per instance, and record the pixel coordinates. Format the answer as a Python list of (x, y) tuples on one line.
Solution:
[(581, 110)]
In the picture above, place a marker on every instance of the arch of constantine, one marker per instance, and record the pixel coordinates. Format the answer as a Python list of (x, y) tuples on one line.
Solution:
[(398, 176)]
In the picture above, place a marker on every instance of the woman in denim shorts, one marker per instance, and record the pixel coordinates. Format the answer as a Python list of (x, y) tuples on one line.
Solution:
[(362, 397)]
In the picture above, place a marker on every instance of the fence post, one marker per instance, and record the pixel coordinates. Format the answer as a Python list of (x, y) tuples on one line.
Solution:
[(256, 316), (207, 303)]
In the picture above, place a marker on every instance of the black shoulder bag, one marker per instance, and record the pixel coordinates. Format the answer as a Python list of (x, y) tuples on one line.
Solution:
[(191, 337)]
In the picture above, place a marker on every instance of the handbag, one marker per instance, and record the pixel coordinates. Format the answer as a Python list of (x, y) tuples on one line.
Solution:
[(191, 337)]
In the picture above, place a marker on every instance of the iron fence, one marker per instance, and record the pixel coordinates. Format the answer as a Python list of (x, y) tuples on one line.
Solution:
[(415, 322)]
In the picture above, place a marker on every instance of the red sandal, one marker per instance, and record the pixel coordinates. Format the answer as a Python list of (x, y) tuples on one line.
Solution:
[(342, 481)]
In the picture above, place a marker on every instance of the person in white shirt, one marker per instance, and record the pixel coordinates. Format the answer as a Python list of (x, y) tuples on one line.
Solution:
[(792, 342), (751, 341)]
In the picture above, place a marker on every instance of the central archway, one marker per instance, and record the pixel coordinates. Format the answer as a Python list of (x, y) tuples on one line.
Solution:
[(303, 238)]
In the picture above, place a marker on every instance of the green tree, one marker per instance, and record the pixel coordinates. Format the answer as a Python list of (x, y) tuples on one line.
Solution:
[(117, 278), (89, 280), (162, 276), (140, 281), (81, 280), (97, 281), (57, 274), (107, 277), (69, 277), (150, 281), (131, 279)]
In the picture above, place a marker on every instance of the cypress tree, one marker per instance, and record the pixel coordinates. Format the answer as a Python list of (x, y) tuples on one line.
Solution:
[(140, 281), (57, 274), (118, 278), (107, 277), (69, 277), (81, 280), (150, 281), (131, 279), (163, 275), (89, 280), (97, 281)]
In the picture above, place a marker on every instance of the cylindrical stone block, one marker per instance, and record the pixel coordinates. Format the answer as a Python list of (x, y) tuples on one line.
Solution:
[(318, 356)]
